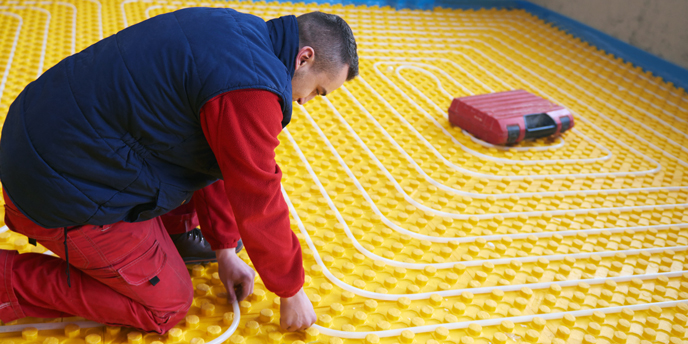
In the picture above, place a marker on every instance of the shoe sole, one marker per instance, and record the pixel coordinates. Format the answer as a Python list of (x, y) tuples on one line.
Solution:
[(194, 260), (198, 260)]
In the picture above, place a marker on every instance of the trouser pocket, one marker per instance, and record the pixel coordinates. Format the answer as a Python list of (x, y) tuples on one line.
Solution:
[(156, 283), (145, 268)]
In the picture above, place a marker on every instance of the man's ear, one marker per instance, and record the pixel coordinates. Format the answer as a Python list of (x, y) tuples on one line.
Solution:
[(305, 56)]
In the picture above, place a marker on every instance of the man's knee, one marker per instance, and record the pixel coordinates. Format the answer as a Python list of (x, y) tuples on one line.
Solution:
[(173, 297), (161, 284), (171, 320), (170, 307)]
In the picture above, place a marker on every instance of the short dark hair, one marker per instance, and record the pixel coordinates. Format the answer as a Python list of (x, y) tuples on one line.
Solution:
[(331, 38)]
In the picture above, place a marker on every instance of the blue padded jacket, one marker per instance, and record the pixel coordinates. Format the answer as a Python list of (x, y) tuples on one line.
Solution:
[(113, 133)]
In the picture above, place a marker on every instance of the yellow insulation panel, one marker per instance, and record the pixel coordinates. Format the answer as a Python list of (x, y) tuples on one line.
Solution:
[(414, 231)]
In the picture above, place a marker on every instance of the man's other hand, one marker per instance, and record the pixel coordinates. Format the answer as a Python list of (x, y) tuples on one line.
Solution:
[(236, 275), (296, 312)]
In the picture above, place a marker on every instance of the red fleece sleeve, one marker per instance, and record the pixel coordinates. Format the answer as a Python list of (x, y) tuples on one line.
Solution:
[(241, 128), (216, 217)]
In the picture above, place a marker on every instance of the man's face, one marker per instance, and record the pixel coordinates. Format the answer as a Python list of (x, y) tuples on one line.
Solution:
[(308, 82)]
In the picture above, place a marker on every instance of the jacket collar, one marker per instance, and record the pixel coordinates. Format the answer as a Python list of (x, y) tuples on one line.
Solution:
[(284, 34)]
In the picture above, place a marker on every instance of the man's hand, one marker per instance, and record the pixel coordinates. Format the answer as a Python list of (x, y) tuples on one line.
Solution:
[(296, 312), (236, 275)]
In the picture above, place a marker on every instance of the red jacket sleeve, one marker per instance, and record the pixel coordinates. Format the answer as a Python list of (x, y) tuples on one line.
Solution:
[(241, 128), (216, 217)]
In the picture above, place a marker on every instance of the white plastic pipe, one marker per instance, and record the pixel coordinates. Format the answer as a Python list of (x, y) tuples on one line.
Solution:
[(90, 324), (552, 47), (489, 145), (48, 326), (492, 322), (232, 328), (468, 172), (445, 265), (455, 292), (412, 201), (442, 112), (10, 58), (572, 98), (437, 124)]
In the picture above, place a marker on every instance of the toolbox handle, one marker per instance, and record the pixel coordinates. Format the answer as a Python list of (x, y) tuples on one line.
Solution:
[(539, 125)]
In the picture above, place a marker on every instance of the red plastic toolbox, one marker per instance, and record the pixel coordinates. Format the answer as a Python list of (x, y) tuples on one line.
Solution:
[(509, 117)]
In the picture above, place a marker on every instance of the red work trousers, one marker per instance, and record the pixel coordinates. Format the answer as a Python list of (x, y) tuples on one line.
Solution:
[(124, 274)]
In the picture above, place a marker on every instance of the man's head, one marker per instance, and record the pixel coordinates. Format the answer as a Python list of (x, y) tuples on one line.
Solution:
[(327, 56)]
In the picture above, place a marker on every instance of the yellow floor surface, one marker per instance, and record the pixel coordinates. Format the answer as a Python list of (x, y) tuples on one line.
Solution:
[(415, 232)]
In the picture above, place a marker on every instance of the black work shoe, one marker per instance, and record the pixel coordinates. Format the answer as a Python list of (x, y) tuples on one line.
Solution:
[(194, 248)]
